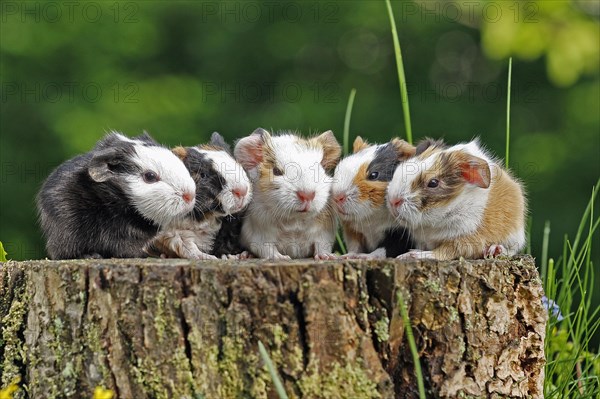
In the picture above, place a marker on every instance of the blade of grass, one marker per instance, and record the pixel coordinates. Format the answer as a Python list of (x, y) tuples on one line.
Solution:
[(276, 381), (412, 344), (508, 111), (347, 120), (340, 242), (401, 77), (545, 249)]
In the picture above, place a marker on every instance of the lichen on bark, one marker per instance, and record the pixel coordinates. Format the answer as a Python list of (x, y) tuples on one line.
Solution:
[(175, 328)]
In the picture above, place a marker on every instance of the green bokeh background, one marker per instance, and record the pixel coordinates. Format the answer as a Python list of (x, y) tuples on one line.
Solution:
[(72, 71)]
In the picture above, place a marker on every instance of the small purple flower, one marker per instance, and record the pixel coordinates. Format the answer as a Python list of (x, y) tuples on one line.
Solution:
[(552, 307)]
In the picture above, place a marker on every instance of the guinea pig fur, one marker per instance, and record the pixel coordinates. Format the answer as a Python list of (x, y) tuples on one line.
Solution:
[(290, 215), (222, 189), (458, 202), (110, 201), (359, 187)]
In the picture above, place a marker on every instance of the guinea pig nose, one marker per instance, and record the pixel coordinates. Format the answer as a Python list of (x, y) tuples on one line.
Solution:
[(305, 196), (339, 198), (240, 191), (188, 197), (396, 202)]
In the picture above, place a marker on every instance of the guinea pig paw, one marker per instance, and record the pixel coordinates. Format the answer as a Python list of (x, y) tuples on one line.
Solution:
[(241, 256), (279, 256), (494, 250), (416, 254), (325, 256), (245, 255), (361, 256), (203, 256), (92, 256)]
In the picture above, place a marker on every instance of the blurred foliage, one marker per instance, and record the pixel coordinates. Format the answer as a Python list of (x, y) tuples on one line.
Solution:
[(72, 71), (566, 32)]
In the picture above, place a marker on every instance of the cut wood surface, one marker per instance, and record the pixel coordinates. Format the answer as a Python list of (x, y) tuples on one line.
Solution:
[(154, 328)]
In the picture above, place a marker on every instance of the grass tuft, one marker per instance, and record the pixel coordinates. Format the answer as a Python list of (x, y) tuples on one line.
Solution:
[(572, 369)]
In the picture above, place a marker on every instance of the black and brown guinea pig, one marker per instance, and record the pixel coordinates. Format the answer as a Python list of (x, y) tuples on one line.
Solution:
[(110, 201), (222, 190), (458, 201), (359, 188)]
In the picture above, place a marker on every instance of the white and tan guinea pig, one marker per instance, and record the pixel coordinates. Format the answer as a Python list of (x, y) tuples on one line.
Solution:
[(222, 189), (359, 187), (458, 202), (290, 215)]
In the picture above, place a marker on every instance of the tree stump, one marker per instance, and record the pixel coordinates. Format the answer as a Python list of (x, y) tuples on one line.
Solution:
[(153, 328)]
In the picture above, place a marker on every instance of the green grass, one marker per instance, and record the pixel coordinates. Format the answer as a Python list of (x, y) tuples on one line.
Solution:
[(346, 143), (401, 77), (346, 147), (573, 369), (509, 83), (274, 376), (412, 344)]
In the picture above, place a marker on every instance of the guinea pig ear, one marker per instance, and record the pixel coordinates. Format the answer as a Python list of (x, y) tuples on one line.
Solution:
[(146, 138), (429, 142), (249, 150), (476, 171), (99, 169), (403, 149), (217, 140), (332, 151), (359, 144), (180, 152)]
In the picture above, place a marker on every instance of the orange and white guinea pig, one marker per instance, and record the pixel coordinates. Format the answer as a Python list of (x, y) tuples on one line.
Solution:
[(358, 192), (290, 215), (458, 202)]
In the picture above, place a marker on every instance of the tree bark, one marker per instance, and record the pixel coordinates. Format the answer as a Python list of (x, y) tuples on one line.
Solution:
[(181, 329)]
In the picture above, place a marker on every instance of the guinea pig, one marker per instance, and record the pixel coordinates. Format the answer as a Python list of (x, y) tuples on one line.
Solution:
[(458, 202), (110, 201), (290, 215), (222, 189), (359, 188)]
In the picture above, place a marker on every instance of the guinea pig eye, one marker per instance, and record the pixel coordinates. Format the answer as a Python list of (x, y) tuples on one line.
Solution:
[(150, 177), (433, 183), (202, 175), (373, 175), (277, 171)]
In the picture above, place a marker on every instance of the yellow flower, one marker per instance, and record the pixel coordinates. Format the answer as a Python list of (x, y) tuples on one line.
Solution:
[(7, 392), (101, 393)]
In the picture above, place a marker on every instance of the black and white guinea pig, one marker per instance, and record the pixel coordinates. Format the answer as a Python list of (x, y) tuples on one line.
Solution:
[(458, 201), (359, 188), (222, 189), (110, 201), (290, 215)]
